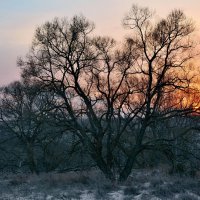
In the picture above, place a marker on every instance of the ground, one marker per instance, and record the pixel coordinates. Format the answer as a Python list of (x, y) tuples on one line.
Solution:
[(143, 184)]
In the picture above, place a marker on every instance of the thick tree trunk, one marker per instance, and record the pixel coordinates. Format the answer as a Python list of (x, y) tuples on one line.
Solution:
[(133, 155), (129, 165), (103, 166), (95, 151)]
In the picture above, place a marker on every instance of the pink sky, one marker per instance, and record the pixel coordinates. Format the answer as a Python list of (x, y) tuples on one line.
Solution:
[(19, 18)]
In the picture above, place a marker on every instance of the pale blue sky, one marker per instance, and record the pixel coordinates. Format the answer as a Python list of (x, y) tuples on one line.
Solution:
[(19, 18)]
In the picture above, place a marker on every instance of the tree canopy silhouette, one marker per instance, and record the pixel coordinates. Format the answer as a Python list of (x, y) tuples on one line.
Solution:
[(120, 91)]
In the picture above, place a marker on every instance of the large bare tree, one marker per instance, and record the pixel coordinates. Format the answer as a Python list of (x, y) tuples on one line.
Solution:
[(112, 95)]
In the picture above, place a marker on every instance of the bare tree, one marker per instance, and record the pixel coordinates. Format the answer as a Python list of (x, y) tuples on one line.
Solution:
[(23, 113), (166, 49), (119, 91)]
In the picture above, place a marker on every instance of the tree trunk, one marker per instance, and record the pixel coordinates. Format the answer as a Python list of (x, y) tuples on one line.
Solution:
[(133, 155), (95, 151), (129, 165), (103, 166)]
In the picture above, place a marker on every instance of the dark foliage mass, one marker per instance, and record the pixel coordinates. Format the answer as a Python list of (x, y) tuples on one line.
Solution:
[(87, 101)]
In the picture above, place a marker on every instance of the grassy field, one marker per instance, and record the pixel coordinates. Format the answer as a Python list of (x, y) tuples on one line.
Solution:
[(144, 184)]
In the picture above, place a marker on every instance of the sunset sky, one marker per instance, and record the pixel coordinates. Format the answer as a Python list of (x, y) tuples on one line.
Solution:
[(19, 18)]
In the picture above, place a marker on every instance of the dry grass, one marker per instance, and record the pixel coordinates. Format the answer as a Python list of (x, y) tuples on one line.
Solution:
[(143, 184)]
